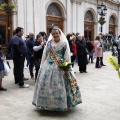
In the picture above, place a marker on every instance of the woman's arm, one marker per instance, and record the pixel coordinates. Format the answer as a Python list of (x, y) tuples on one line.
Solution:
[(36, 48)]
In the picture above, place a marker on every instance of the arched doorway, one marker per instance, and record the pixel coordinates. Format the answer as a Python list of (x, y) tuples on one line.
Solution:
[(89, 26), (112, 25), (4, 24), (54, 17)]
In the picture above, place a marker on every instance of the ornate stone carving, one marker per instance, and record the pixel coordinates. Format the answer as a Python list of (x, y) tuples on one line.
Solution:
[(77, 1)]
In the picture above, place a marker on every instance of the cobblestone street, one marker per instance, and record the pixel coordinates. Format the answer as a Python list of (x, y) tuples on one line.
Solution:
[(100, 90)]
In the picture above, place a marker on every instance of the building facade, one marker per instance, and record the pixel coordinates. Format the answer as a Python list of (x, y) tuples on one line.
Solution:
[(70, 15)]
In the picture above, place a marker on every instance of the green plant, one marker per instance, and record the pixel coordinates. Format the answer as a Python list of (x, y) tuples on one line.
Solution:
[(7, 7), (101, 21)]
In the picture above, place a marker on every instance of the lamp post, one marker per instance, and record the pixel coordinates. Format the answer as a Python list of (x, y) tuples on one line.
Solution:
[(8, 10), (102, 12)]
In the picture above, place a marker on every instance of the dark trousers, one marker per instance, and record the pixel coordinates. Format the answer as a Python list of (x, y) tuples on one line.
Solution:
[(73, 60), (97, 62), (101, 60), (31, 66), (91, 56), (18, 69), (36, 73), (118, 56), (82, 68)]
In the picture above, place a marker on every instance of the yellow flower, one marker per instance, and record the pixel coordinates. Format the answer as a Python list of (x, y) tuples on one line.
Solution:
[(114, 63)]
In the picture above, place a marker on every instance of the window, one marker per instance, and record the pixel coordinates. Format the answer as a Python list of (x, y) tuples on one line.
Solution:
[(112, 20), (2, 18), (88, 16), (53, 10)]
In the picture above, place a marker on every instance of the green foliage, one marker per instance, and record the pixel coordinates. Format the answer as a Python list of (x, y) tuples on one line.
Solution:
[(9, 7), (65, 66), (101, 21)]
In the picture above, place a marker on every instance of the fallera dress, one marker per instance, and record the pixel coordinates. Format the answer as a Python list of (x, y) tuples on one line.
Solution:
[(53, 91)]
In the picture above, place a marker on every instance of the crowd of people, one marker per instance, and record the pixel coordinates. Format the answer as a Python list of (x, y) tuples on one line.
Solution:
[(55, 88)]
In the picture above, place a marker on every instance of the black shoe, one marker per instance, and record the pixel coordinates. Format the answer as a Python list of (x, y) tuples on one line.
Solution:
[(81, 71), (85, 71), (16, 82), (3, 89), (24, 79), (103, 65)]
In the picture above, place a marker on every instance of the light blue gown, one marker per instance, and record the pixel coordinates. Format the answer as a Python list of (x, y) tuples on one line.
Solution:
[(52, 90)]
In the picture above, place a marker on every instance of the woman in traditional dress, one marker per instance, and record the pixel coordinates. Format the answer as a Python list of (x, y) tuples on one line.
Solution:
[(56, 90)]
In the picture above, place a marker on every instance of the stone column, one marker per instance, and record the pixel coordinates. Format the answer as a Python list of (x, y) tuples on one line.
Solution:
[(20, 13), (69, 17), (14, 19), (29, 16), (42, 15), (119, 21), (25, 18), (80, 18), (74, 18), (36, 23)]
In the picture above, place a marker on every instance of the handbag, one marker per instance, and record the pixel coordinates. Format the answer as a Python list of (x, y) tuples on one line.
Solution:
[(6, 68)]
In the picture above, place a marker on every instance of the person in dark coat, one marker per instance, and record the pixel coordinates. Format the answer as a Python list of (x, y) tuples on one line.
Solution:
[(90, 48), (70, 42), (19, 51), (82, 54), (30, 44), (38, 51)]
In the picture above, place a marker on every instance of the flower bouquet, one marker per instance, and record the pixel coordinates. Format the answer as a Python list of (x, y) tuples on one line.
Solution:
[(114, 63), (65, 66)]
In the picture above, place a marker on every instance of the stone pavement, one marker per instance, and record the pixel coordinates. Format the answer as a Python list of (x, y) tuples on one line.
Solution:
[(100, 89)]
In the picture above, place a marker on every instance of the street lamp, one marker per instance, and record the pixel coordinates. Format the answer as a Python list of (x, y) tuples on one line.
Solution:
[(102, 12), (8, 11)]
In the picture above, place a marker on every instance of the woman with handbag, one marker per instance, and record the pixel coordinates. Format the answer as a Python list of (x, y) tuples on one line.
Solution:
[(38, 50), (56, 90), (98, 51), (2, 73)]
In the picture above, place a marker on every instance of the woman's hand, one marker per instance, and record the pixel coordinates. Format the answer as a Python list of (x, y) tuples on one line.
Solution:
[(42, 43)]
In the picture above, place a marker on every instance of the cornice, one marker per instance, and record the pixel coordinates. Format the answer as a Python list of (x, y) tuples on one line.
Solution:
[(114, 1)]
